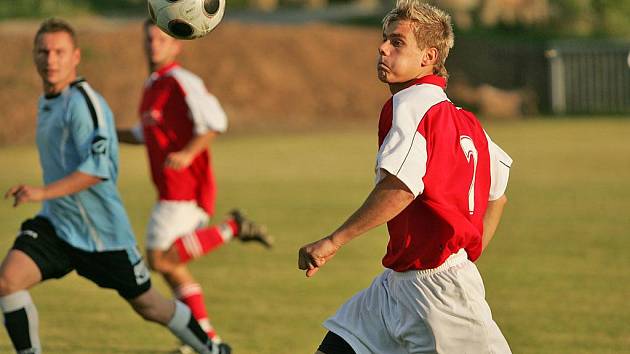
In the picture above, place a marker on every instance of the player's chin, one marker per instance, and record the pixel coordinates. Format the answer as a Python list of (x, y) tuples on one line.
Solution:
[(383, 76)]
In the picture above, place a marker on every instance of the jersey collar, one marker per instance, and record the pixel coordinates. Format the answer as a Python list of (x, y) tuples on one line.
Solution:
[(166, 68), (430, 79), (76, 81)]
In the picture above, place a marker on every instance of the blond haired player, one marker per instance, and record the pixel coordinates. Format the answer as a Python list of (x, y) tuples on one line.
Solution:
[(440, 184)]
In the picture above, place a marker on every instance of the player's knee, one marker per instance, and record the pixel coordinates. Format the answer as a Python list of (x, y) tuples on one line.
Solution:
[(159, 263), (148, 314), (151, 306), (7, 286), (147, 311)]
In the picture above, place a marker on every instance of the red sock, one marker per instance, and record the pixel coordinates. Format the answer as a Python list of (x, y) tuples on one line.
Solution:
[(192, 296), (202, 241)]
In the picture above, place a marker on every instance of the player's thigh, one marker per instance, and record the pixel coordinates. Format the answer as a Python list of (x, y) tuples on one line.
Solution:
[(18, 272), (170, 220), (37, 254), (120, 270)]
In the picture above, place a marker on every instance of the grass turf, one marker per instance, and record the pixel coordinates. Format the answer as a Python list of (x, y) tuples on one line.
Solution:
[(556, 274)]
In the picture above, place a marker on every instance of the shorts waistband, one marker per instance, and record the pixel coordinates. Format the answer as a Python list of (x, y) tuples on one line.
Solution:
[(453, 260)]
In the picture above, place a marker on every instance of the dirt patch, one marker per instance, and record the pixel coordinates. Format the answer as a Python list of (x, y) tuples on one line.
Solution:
[(264, 75)]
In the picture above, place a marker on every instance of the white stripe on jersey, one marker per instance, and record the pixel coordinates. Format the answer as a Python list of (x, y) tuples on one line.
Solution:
[(91, 229), (205, 110), (101, 128), (62, 147), (403, 152), (96, 104)]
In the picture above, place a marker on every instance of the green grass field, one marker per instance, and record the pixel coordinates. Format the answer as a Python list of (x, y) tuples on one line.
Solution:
[(557, 274)]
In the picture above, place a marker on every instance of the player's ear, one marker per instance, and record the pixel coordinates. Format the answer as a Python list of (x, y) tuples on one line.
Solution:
[(76, 56), (430, 57)]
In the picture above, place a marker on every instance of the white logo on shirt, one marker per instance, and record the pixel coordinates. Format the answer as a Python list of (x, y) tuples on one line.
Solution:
[(30, 233), (99, 145)]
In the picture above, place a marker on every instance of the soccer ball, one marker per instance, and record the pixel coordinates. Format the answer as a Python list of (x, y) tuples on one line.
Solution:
[(186, 19)]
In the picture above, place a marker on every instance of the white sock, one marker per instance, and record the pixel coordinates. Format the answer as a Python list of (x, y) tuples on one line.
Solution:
[(22, 322), (185, 327)]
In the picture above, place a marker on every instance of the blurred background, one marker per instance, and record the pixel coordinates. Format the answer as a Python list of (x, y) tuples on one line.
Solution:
[(512, 58), (549, 79)]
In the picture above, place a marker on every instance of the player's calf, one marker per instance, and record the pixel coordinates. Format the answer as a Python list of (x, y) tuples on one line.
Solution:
[(22, 321)]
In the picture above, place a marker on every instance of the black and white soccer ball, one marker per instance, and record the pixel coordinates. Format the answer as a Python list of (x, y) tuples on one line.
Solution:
[(186, 19)]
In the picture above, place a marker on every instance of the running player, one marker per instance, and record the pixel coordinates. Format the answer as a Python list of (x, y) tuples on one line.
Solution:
[(179, 119), (440, 184), (82, 225)]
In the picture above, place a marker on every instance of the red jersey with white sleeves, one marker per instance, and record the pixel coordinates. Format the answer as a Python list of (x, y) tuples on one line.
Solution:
[(175, 107), (443, 155)]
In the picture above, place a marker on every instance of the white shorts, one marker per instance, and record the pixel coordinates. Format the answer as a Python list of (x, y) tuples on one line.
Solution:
[(441, 310), (171, 220)]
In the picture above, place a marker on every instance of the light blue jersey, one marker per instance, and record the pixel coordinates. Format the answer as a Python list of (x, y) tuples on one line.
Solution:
[(76, 132)]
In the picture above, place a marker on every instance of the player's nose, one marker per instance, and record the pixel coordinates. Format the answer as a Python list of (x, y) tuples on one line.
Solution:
[(383, 48)]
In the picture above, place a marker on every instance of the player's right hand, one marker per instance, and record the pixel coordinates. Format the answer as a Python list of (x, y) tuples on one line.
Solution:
[(23, 193), (178, 160), (314, 255)]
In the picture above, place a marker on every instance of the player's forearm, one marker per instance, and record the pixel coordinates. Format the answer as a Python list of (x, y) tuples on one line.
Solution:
[(70, 184), (126, 136), (387, 199), (491, 219), (199, 143)]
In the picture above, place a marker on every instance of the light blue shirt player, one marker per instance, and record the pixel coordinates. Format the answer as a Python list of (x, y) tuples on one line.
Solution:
[(76, 132)]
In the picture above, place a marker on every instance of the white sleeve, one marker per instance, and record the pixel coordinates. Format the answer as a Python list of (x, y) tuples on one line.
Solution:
[(206, 113), (138, 132), (404, 152), (500, 163), (205, 110)]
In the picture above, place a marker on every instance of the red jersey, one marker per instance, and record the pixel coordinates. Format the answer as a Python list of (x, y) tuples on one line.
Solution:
[(445, 158), (175, 107)]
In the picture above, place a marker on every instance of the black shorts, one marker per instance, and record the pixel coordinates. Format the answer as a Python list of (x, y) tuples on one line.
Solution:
[(56, 258), (334, 344)]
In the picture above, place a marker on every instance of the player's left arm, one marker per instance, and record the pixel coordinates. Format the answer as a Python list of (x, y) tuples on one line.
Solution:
[(209, 120), (388, 198), (491, 219), (70, 184), (500, 163), (184, 157)]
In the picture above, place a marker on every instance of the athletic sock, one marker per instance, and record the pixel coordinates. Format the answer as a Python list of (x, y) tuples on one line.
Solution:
[(184, 326), (192, 296), (21, 321), (204, 240)]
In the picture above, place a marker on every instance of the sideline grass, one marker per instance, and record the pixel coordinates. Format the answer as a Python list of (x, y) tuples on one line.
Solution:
[(556, 274)]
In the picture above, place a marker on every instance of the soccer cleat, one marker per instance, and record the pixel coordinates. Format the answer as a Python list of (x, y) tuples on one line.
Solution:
[(221, 348), (249, 231), (215, 348)]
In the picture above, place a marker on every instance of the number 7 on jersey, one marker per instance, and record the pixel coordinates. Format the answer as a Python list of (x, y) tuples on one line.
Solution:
[(470, 151)]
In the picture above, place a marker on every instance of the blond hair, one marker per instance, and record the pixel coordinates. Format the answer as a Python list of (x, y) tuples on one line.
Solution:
[(431, 26)]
